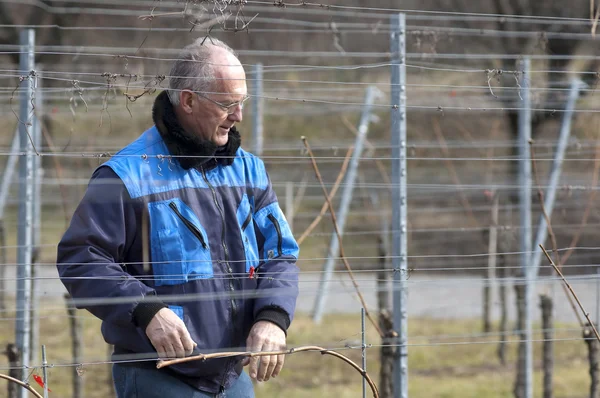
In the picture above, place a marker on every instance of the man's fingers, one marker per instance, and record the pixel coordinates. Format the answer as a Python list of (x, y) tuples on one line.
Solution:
[(161, 351), (169, 350), (188, 343), (273, 359), (252, 346), (265, 336), (178, 347), (254, 361), (263, 368), (169, 336), (280, 361)]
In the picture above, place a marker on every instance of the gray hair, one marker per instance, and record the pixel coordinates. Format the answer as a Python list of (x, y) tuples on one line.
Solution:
[(193, 70)]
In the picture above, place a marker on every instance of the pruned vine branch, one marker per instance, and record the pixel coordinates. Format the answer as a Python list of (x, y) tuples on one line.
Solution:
[(202, 357), (22, 384), (549, 225), (336, 185), (587, 315), (339, 237)]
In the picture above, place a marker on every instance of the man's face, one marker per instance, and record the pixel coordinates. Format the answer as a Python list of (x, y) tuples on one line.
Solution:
[(211, 121)]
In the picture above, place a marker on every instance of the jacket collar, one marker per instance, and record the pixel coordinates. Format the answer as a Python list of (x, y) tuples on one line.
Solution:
[(190, 151)]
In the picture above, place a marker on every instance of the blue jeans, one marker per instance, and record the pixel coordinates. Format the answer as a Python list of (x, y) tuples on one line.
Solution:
[(138, 382)]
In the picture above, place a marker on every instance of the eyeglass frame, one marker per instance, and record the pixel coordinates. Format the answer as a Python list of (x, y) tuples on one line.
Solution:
[(231, 108)]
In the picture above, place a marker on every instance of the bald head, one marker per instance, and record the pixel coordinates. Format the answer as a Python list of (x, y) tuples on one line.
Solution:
[(224, 65), (199, 65)]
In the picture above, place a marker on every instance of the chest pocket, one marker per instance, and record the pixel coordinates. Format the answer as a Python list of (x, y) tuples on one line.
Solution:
[(179, 244), (246, 224)]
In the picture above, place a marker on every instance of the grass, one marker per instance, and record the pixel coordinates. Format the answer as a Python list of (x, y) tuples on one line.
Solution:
[(437, 368)]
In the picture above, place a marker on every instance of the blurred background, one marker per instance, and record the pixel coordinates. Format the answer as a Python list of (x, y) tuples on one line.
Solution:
[(502, 126)]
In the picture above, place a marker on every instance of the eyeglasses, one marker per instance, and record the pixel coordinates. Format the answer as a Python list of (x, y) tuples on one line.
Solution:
[(229, 108)]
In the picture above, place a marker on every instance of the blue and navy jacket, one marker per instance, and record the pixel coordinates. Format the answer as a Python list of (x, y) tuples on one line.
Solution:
[(209, 241)]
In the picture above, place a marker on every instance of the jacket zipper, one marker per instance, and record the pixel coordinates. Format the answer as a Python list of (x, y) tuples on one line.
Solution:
[(214, 194), (247, 221), (234, 308), (244, 226), (272, 218), (193, 229)]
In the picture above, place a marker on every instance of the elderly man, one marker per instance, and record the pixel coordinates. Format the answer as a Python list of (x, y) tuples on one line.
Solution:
[(179, 245)]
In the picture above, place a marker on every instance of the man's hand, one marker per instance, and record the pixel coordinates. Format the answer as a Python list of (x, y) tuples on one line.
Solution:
[(169, 336), (265, 336)]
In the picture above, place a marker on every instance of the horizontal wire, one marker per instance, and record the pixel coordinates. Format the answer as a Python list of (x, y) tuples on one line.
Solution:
[(65, 315), (459, 92), (575, 148), (470, 104), (575, 145), (281, 276), (343, 291), (304, 217), (376, 259), (419, 191), (585, 21), (317, 8), (308, 68), (413, 271), (334, 150), (311, 68), (419, 202), (411, 230), (7, 49), (416, 337), (512, 253), (332, 10), (429, 209), (129, 358), (331, 29), (320, 158), (378, 232), (394, 107), (312, 286), (373, 218)]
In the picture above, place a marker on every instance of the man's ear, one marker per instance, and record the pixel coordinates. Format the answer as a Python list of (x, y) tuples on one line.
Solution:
[(186, 100)]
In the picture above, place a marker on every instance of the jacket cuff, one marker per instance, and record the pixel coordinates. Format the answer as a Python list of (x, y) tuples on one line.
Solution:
[(274, 315), (145, 311)]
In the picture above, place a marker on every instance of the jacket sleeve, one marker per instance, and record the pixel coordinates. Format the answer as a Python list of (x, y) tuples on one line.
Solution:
[(277, 273), (90, 252)]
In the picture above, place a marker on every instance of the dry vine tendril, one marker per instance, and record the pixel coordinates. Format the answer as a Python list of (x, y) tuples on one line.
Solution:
[(201, 357)]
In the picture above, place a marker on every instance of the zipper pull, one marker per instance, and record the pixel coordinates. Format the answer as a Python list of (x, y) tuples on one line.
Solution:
[(251, 276)]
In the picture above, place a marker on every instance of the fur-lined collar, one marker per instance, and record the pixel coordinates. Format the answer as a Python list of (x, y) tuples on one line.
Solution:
[(182, 144)]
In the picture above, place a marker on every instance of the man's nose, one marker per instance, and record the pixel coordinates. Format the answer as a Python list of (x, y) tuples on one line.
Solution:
[(236, 116)]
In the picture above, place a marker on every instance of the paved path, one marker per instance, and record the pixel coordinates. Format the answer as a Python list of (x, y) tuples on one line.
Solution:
[(442, 297), (433, 296)]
